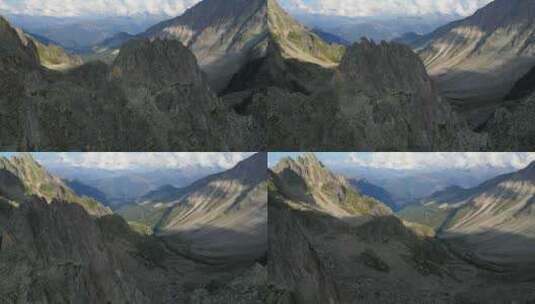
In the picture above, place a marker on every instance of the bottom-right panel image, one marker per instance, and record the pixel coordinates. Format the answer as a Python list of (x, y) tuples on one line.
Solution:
[(402, 227)]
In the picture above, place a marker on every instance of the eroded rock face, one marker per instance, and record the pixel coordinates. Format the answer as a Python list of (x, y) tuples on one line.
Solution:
[(44, 262), (512, 128), (380, 98), (299, 274), (153, 97)]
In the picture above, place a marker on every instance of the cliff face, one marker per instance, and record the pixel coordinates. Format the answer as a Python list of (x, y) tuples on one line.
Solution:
[(81, 263)]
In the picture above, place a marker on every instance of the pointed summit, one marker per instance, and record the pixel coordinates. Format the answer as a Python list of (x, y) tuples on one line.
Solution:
[(226, 35)]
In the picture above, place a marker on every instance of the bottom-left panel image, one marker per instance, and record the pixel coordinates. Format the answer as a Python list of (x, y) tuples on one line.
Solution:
[(133, 228)]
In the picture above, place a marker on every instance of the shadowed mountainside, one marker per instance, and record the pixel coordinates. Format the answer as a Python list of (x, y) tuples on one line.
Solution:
[(366, 258), (221, 215), (152, 97)]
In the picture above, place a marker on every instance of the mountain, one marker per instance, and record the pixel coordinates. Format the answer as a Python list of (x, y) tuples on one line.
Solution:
[(122, 189), (230, 206), (307, 180), (494, 219), (79, 34), (225, 35), (332, 250), (410, 38), (29, 178), (369, 189), (102, 260), (153, 97), (80, 258), (375, 28), (55, 246), (337, 258), (331, 38), (477, 60), (511, 126), (85, 190), (379, 98), (53, 56)]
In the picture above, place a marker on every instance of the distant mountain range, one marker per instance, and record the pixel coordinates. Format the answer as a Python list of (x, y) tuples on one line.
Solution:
[(378, 28)]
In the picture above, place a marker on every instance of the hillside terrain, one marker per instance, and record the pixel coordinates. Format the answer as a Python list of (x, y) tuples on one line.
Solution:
[(230, 207), (476, 61), (370, 257), (494, 220), (56, 247)]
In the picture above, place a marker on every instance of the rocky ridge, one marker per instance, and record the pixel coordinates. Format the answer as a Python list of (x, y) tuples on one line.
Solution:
[(25, 177), (379, 98), (137, 104)]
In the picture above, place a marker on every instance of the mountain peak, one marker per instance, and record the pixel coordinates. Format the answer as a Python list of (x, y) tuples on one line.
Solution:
[(15, 44), (310, 159), (226, 35)]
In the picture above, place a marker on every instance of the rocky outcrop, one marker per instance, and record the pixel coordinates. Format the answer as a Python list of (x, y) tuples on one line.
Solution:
[(308, 181), (380, 98), (511, 126), (300, 272), (43, 261), (22, 176), (140, 103)]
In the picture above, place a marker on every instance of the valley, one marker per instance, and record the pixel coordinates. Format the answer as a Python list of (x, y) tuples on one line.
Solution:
[(209, 244), (479, 252)]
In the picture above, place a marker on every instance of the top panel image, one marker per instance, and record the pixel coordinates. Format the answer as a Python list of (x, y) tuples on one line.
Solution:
[(253, 75)]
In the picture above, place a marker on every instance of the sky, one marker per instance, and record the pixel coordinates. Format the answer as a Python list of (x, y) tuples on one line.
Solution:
[(133, 161), (418, 161), (176, 7)]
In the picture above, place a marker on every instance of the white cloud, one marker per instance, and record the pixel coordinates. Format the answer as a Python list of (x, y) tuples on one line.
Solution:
[(441, 160), (387, 7), (176, 7), (121, 161), (98, 7)]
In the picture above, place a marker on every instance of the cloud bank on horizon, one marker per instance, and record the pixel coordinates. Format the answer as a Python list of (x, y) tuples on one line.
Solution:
[(441, 160), (419, 161), (152, 160), (176, 7)]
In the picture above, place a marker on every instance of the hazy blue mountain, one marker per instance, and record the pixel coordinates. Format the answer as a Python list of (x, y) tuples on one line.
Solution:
[(85, 190), (376, 28), (119, 187), (331, 38), (406, 186), (374, 191), (81, 33)]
